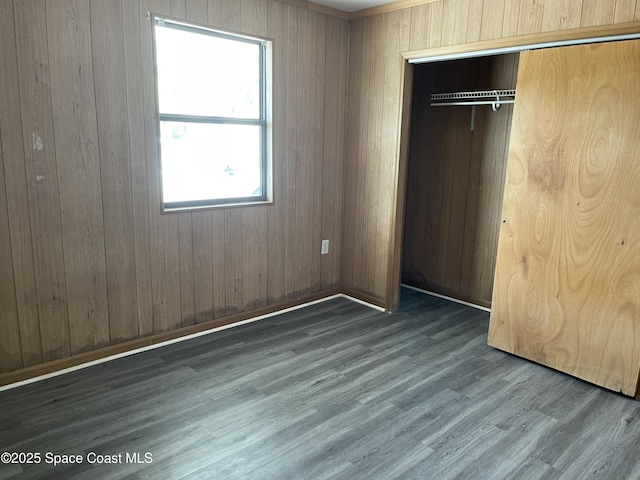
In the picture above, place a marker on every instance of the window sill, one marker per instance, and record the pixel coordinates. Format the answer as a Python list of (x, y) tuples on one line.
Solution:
[(216, 207)]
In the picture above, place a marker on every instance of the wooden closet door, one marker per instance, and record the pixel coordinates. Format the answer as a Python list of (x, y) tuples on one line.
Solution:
[(567, 283)]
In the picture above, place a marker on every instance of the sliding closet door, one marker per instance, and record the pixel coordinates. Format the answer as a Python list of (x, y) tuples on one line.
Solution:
[(567, 284)]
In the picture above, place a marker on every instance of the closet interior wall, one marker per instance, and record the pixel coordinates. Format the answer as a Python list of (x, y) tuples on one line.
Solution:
[(456, 179)]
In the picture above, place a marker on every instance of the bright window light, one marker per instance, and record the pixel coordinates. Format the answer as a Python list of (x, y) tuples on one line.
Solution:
[(212, 90)]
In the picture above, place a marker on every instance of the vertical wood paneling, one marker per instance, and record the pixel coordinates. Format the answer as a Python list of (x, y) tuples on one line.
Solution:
[(220, 285), (531, 14), (361, 259), (187, 294), (398, 28), (474, 23), (78, 165), (373, 237), (203, 266), (107, 36), (320, 200), (10, 348), (254, 258), (331, 161), (459, 185), (277, 30), (455, 21), (492, 20), (179, 8), (42, 176), (233, 250), (440, 23), (305, 149), (398, 31), (420, 26), (471, 215), (83, 207), (230, 14), (511, 18), (350, 211), (597, 12), (495, 148), (17, 198), (454, 174), (341, 152), (253, 17), (437, 12), (625, 11), (214, 8), (561, 15), (197, 10), (134, 21), (290, 189)]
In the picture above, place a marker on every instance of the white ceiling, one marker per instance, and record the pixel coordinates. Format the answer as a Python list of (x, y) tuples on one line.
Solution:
[(352, 5)]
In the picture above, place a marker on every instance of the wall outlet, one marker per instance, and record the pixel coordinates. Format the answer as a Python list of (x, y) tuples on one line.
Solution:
[(325, 247)]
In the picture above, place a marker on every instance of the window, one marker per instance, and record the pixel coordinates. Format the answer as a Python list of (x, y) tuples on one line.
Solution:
[(213, 93)]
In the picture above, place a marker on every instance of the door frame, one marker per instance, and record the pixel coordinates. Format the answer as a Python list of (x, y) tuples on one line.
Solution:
[(625, 31)]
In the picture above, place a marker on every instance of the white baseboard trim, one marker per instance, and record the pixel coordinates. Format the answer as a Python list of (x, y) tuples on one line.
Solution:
[(451, 299), (179, 339)]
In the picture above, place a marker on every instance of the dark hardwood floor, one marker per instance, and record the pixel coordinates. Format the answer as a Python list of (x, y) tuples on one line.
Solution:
[(336, 390)]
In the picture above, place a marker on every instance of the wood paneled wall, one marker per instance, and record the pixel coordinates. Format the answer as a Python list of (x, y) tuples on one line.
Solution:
[(86, 258), (456, 179), (375, 93)]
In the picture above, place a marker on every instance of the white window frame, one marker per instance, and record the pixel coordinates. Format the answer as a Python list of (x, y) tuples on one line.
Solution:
[(264, 121)]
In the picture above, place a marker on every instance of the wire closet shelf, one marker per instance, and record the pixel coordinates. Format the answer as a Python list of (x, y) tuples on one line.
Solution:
[(495, 98)]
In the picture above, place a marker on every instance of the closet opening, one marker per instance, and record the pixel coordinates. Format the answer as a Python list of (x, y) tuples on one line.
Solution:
[(461, 116), (459, 267)]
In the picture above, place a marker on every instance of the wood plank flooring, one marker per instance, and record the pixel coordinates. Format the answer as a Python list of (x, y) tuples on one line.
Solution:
[(332, 391)]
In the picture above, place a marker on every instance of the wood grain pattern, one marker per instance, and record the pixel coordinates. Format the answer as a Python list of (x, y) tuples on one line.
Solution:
[(351, 205), (42, 176), (500, 22), (474, 22), (10, 344), (333, 152), (492, 20), (596, 12), (277, 30), (455, 21), (420, 26), (79, 175), (561, 15), (121, 268), (567, 271), (451, 219), (625, 11), (107, 37), (187, 288), (17, 196), (132, 25), (203, 274), (531, 15)]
